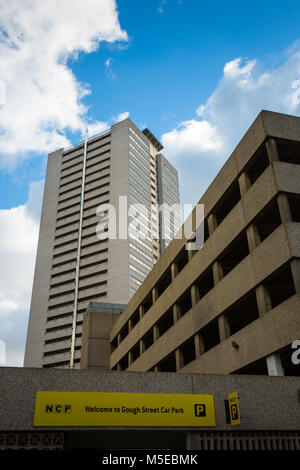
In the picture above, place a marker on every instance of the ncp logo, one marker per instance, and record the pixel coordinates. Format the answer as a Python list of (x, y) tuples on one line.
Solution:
[(200, 410), (58, 408)]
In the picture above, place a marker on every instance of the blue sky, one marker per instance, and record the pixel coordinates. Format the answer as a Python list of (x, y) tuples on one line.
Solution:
[(196, 73), (171, 63)]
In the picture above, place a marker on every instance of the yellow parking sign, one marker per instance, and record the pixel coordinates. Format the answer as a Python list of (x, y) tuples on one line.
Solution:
[(123, 409), (234, 410)]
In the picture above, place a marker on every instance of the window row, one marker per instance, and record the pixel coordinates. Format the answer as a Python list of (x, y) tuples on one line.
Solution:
[(265, 223), (279, 287), (146, 147)]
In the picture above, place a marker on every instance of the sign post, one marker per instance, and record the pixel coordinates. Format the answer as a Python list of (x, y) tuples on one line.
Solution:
[(234, 409)]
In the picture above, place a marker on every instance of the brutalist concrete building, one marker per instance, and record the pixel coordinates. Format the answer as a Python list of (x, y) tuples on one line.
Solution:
[(75, 264), (233, 306)]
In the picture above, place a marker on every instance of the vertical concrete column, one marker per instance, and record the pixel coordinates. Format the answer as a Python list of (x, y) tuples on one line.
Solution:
[(194, 294), (274, 365), (224, 328), (154, 294), (129, 325), (263, 299), (174, 271), (193, 441), (141, 311), (155, 333), (217, 272), (142, 347), (212, 223), (244, 183), (253, 237), (179, 359), (190, 252), (284, 208), (176, 312), (272, 150), (252, 232), (118, 367), (119, 338), (130, 358), (199, 344), (295, 268)]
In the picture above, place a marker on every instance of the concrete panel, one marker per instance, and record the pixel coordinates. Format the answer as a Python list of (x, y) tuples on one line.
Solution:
[(287, 176), (220, 184), (226, 232), (259, 194), (293, 233), (281, 125), (250, 142)]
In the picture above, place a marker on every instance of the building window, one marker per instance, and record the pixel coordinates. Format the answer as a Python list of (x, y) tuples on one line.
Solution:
[(187, 351), (257, 164), (227, 202), (165, 322), (168, 364)]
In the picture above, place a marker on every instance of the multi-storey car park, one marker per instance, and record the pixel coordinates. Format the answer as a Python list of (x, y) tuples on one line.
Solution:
[(231, 307)]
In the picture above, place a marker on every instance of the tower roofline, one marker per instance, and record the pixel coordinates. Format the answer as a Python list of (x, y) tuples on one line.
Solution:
[(153, 139)]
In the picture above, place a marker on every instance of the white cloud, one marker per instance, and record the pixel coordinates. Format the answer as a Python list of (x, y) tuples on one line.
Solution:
[(18, 241), (97, 127), (232, 69), (163, 3), (108, 62), (101, 126), (2, 92), (122, 116), (191, 137), (198, 147), (43, 98), (246, 89)]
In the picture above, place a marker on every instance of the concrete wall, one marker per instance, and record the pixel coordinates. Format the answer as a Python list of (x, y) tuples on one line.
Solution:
[(266, 403), (98, 321), (117, 276)]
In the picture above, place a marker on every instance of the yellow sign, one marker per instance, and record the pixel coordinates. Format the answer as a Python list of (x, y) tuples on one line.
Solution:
[(123, 409), (234, 409)]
